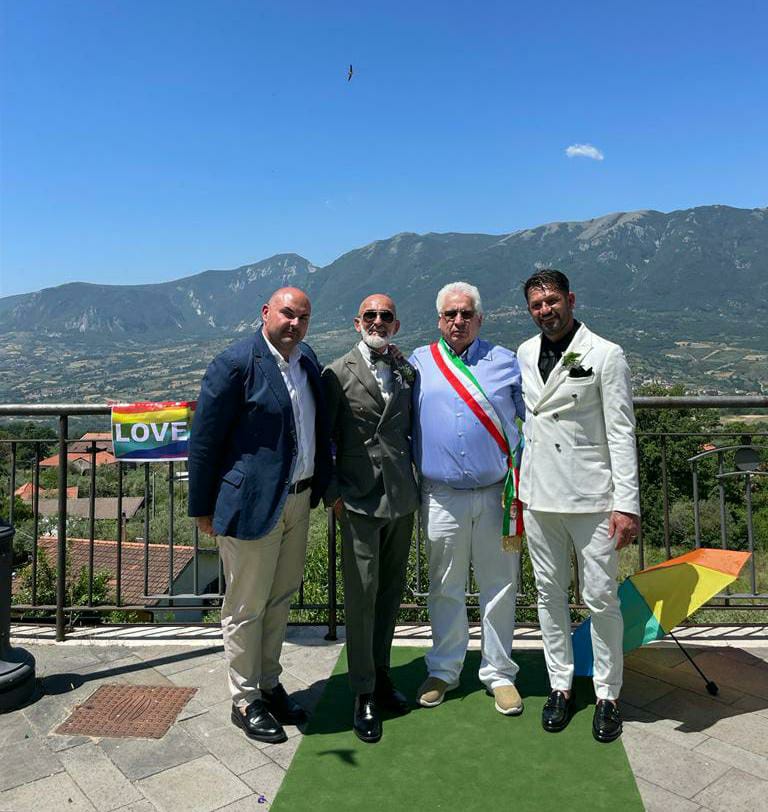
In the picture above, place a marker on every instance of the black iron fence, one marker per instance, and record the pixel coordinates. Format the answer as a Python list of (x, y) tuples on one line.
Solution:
[(180, 574)]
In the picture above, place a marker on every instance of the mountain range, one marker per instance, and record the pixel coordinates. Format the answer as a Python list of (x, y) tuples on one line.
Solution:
[(653, 281)]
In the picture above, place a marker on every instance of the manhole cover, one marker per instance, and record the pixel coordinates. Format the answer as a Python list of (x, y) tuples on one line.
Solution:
[(118, 711)]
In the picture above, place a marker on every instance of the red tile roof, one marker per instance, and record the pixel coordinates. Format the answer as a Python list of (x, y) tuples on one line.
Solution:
[(105, 507), (27, 490), (105, 559), (102, 458), (81, 450), (102, 439)]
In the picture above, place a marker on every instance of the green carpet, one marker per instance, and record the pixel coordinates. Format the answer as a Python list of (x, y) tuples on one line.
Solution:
[(462, 755)]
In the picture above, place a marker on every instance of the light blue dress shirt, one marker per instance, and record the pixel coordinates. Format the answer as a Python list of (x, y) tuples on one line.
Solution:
[(450, 444)]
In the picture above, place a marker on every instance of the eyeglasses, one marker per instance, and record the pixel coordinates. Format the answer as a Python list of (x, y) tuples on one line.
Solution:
[(450, 315), (387, 316)]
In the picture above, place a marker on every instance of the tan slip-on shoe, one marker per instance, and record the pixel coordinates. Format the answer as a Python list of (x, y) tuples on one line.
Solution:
[(508, 700), (433, 691)]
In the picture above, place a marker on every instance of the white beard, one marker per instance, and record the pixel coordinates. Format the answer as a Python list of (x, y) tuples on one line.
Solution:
[(375, 342)]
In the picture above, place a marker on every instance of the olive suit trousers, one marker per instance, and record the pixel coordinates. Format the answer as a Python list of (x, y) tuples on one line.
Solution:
[(375, 560)]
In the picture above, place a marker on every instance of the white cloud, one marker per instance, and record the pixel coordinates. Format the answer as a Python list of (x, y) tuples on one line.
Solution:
[(584, 151)]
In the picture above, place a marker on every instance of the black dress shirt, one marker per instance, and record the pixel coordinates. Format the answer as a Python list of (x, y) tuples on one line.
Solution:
[(552, 351)]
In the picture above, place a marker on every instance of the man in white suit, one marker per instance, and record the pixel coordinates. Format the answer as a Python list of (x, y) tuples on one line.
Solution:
[(579, 486)]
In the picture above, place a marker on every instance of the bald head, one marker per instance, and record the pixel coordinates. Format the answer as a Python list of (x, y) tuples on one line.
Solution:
[(376, 320), (377, 301), (293, 296), (286, 319)]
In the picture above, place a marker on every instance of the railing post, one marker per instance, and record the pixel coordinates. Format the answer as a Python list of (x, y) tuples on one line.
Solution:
[(196, 559), (35, 519), (332, 605), (61, 557), (696, 516), (12, 494), (721, 493), (91, 522), (665, 495), (146, 528), (750, 531), (171, 530), (120, 537)]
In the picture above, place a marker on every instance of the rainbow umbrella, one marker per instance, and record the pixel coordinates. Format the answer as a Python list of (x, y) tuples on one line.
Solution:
[(656, 599)]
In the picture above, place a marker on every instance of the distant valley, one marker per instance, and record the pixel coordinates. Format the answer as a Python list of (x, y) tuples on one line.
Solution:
[(685, 293)]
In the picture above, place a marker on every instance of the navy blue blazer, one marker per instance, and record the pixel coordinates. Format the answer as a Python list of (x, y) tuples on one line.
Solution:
[(242, 445)]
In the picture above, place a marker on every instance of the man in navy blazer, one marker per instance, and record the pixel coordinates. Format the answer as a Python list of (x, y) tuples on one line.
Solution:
[(259, 458)]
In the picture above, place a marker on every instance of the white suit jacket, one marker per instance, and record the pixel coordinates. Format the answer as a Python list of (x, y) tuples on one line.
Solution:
[(579, 454)]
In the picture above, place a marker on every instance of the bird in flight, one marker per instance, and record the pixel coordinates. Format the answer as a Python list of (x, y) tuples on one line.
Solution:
[(349, 73)]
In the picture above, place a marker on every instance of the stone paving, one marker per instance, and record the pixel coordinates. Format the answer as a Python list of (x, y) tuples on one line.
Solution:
[(688, 750)]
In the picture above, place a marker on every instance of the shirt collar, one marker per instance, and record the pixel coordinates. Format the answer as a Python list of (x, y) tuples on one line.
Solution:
[(470, 353), (293, 358), (562, 345)]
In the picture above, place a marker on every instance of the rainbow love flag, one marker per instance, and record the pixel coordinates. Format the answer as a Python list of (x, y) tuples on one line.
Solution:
[(151, 432)]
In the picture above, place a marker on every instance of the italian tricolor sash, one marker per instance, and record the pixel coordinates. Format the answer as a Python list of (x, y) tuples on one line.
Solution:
[(468, 388)]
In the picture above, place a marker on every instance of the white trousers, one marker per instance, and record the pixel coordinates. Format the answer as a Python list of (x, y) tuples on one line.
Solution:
[(549, 537), (463, 526), (262, 576)]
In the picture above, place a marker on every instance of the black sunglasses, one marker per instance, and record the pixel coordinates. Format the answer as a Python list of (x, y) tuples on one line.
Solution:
[(450, 315), (387, 316)]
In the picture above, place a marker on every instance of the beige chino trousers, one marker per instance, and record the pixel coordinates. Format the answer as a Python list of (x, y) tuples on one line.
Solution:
[(262, 576)]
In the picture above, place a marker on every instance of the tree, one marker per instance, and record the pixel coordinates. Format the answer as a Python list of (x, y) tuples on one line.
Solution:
[(76, 585), (677, 434), (25, 451)]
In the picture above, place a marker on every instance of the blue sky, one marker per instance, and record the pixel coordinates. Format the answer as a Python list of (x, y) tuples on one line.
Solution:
[(144, 141)]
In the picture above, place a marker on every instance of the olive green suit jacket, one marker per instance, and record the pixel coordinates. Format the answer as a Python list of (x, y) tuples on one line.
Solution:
[(373, 472)]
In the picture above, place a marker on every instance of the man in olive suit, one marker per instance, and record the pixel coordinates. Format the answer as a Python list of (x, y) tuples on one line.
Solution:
[(374, 496)]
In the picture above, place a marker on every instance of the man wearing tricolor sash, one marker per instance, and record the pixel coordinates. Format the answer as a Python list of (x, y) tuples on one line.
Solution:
[(467, 398), (579, 486)]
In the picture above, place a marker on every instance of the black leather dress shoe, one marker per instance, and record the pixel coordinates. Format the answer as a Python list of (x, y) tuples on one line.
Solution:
[(606, 723), (557, 712), (282, 707), (258, 723), (387, 696), (367, 722)]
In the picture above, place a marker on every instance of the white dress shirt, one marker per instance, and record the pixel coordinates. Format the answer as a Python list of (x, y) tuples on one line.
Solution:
[(382, 371), (303, 406)]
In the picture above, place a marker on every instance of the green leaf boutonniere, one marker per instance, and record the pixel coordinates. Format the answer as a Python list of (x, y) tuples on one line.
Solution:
[(571, 359), (405, 370), (400, 366)]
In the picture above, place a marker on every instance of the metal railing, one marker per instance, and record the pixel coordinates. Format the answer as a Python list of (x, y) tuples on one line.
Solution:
[(197, 598), (163, 602)]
